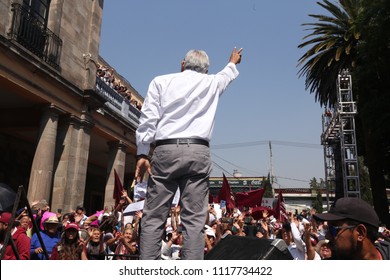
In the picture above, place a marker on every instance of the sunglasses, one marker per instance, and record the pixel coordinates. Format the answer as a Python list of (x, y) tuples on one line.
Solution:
[(334, 230)]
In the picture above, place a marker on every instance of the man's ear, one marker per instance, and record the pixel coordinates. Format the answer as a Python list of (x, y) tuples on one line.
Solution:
[(361, 231)]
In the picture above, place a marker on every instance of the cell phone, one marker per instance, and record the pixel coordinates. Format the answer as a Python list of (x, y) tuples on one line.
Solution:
[(223, 203), (179, 229), (59, 210)]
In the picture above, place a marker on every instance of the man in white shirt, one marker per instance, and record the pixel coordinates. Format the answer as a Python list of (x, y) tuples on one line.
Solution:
[(178, 117)]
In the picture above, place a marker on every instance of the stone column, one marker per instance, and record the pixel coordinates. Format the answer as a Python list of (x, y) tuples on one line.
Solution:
[(65, 160), (42, 167), (81, 163), (72, 157), (117, 162)]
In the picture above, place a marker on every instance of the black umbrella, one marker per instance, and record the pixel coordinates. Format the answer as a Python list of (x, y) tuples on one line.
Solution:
[(7, 197)]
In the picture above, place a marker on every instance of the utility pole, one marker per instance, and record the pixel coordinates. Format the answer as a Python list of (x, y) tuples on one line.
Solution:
[(271, 177)]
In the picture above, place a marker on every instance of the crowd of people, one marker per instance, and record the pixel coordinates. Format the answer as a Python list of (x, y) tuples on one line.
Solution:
[(110, 234), (106, 74)]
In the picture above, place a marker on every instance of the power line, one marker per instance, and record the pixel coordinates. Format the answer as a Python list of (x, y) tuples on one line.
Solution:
[(266, 142), (285, 143), (239, 167), (224, 170), (292, 179)]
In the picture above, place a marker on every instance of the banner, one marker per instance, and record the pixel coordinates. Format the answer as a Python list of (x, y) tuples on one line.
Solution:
[(280, 210), (226, 194), (250, 199), (118, 188)]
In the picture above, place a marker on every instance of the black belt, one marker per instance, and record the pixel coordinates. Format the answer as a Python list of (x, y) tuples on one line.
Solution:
[(182, 141)]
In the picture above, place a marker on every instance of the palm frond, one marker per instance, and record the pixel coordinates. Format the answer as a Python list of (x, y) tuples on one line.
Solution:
[(331, 47)]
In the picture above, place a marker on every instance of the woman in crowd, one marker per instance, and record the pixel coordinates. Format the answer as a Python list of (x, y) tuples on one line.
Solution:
[(95, 244), (70, 246), (127, 245)]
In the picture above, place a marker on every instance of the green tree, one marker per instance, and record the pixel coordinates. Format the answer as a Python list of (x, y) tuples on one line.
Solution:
[(268, 192), (365, 185), (316, 191), (356, 37), (373, 99), (332, 48)]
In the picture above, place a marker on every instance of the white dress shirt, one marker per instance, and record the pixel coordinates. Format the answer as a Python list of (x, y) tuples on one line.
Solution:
[(298, 247), (181, 105)]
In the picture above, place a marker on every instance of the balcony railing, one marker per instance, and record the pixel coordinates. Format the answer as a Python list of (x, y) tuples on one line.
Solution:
[(117, 103), (32, 34)]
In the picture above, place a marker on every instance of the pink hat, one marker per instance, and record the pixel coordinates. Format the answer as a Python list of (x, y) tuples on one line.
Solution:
[(46, 215), (72, 225), (94, 223), (5, 217)]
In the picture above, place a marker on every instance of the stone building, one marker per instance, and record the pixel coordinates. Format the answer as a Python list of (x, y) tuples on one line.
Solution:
[(63, 130)]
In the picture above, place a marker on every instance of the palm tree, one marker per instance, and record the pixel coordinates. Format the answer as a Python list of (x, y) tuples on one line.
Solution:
[(333, 48), (352, 38)]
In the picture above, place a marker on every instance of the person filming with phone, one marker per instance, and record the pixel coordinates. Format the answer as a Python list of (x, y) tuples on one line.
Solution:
[(177, 118)]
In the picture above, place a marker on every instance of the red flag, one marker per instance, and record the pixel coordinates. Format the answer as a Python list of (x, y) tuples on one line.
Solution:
[(226, 194), (118, 188), (280, 209), (250, 199)]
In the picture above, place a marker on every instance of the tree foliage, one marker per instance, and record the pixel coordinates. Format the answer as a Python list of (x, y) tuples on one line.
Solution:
[(316, 190), (332, 48), (355, 35)]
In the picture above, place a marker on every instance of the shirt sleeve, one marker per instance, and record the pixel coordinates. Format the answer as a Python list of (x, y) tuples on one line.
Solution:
[(33, 246), (297, 238), (150, 114), (23, 244), (226, 76)]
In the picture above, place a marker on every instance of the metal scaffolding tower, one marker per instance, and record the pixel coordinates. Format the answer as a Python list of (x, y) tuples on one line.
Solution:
[(339, 141)]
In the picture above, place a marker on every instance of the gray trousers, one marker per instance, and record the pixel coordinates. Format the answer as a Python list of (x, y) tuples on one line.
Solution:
[(177, 166)]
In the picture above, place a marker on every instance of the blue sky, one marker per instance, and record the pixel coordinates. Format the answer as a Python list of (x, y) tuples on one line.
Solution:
[(267, 102)]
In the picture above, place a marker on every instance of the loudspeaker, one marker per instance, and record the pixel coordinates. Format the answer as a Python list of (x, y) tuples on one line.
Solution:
[(249, 248)]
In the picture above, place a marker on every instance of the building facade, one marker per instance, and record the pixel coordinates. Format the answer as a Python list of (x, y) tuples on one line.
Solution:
[(63, 130)]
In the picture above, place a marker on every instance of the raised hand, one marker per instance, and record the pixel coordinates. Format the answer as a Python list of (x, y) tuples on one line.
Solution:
[(235, 56)]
